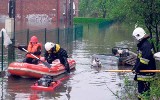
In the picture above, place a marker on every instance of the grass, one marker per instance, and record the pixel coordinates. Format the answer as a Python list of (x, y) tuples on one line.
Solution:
[(129, 90)]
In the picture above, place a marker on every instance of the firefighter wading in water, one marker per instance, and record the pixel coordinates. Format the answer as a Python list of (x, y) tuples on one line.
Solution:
[(54, 51), (144, 61)]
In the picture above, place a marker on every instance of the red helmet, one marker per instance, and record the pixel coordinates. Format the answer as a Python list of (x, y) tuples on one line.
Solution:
[(34, 39)]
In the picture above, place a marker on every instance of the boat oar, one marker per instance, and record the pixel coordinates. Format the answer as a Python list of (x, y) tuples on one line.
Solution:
[(45, 63), (131, 71)]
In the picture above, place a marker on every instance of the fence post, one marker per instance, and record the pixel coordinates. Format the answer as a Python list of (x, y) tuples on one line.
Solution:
[(27, 36), (75, 32), (2, 51), (58, 35), (45, 35), (11, 52)]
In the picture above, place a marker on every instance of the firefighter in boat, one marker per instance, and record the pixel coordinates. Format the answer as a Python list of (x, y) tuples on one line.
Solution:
[(144, 61), (54, 51), (34, 47)]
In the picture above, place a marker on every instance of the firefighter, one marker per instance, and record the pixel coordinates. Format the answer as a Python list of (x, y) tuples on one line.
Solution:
[(54, 51), (144, 61), (34, 47)]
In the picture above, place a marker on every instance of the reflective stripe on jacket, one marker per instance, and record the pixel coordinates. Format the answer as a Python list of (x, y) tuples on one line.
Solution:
[(143, 60), (33, 48), (145, 78)]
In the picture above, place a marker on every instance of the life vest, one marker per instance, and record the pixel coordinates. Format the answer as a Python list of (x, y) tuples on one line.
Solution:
[(33, 48)]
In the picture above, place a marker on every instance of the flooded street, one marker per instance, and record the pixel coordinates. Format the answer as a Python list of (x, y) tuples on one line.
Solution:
[(86, 82)]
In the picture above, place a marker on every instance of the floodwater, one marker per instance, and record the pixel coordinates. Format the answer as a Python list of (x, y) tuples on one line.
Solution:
[(85, 82)]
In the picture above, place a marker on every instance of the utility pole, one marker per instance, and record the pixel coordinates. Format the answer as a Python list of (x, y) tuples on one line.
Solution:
[(66, 14), (58, 14), (10, 27)]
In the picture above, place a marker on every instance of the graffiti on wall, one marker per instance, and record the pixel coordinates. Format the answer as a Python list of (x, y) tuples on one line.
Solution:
[(38, 19)]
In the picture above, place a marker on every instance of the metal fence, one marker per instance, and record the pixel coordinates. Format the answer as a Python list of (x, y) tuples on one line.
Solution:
[(60, 36)]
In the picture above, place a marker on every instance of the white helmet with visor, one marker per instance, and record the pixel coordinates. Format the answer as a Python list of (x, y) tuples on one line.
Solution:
[(49, 45), (139, 33)]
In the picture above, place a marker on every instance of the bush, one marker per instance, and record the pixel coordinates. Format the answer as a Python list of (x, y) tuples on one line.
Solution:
[(89, 20)]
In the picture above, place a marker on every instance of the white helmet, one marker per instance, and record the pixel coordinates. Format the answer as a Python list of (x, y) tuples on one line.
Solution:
[(49, 45), (139, 33)]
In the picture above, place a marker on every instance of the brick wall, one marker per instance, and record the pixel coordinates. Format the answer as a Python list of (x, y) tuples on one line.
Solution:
[(36, 13)]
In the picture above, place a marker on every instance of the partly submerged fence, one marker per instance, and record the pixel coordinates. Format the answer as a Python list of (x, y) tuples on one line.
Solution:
[(61, 36), (2, 35)]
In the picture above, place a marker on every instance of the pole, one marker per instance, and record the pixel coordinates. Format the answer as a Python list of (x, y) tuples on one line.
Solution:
[(2, 51), (45, 35), (58, 35), (66, 20), (27, 36), (12, 14), (131, 71), (71, 14), (58, 13)]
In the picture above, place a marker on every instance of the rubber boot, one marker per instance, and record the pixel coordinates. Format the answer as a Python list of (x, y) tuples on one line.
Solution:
[(66, 64)]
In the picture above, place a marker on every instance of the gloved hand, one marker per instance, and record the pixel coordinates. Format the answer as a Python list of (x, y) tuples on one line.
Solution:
[(135, 70), (49, 61), (29, 52)]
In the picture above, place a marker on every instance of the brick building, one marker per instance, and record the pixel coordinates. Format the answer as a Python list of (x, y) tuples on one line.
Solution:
[(37, 14)]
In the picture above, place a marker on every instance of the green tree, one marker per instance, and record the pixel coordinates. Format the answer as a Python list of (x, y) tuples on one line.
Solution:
[(88, 8), (144, 12), (102, 7), (149, 11)]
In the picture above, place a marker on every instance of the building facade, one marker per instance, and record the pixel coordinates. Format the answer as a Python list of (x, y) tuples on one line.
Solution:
[(37, 14)]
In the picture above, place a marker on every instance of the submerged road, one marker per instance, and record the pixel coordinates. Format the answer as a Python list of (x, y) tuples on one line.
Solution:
[(86, 82)]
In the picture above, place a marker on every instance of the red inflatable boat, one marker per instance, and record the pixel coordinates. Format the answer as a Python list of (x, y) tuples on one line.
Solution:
[(52, 85), (37, 71)]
